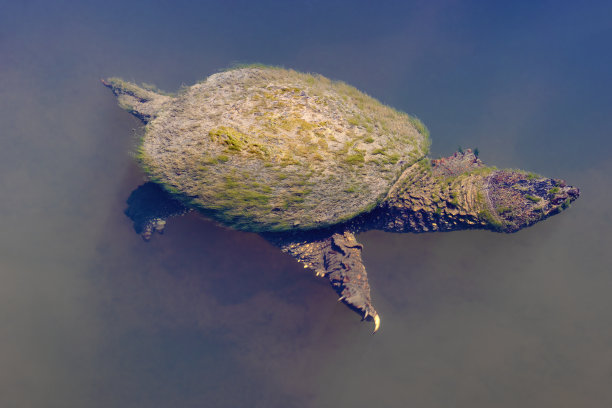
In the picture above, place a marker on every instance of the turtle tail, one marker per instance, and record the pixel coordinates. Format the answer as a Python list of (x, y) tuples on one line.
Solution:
[(142, 102)]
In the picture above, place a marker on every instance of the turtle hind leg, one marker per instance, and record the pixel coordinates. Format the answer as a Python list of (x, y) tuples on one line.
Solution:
[(336, 256), (149, 206), (347, 275)]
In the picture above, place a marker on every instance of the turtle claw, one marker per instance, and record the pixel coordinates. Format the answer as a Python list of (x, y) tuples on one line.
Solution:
[(151, 226), (376, 323)]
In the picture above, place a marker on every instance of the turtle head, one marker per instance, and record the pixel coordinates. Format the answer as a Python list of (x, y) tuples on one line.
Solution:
[(517, 199), (460, 192)]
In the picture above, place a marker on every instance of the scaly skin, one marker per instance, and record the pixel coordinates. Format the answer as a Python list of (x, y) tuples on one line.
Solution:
[(441, 195), (336, 255), (460, 192)]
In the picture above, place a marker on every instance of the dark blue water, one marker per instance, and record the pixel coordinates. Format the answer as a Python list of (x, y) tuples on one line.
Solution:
[(92, 316)]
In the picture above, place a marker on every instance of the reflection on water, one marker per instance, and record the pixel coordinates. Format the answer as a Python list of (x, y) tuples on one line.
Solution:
[(92, 316)]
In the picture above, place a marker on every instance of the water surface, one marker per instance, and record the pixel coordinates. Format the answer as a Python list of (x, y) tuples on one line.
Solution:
[(92, 316)]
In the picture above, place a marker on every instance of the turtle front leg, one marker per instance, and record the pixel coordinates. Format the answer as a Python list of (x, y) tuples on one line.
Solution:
[(149, 206), (337, 257)]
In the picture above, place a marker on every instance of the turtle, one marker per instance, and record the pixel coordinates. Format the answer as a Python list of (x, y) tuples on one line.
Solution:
[(309, 163)]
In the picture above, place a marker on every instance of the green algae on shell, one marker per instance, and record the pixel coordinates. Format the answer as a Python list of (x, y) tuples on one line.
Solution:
[(270, 149)]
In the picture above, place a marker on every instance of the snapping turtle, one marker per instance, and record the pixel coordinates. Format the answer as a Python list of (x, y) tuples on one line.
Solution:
[(308, 162)]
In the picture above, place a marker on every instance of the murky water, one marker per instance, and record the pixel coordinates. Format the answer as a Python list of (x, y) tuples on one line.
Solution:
[(92, 316)]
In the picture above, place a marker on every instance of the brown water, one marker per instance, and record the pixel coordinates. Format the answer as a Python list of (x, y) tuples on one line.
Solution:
[(92, 316)]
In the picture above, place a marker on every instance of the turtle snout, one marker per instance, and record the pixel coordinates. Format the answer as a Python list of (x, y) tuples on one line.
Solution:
[(560, 196), (573, 193), (562, 193)]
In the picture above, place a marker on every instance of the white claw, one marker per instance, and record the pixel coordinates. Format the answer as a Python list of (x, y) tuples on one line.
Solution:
[(341, 298), (365, 316), (376, 323)]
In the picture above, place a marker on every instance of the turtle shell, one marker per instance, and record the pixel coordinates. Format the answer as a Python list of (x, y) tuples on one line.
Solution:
[(270, 149)]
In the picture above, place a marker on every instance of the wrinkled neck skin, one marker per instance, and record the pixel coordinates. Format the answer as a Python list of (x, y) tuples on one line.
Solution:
[(460, 192)]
